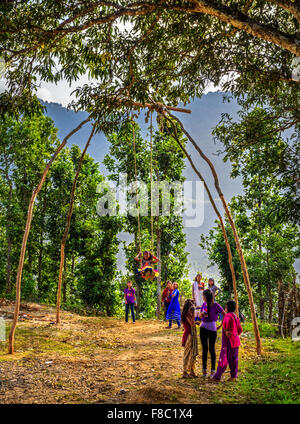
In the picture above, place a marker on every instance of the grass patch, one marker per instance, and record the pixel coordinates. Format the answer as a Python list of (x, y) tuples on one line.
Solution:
[(273, 378)]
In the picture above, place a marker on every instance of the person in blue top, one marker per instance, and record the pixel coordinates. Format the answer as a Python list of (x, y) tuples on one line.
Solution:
[(173, 313)]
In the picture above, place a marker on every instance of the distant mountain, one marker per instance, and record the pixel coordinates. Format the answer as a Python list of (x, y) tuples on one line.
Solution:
[(206, 113)]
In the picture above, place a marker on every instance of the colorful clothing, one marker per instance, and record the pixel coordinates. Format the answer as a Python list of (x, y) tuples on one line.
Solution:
[(210, 322), (187, 331), (232, 323), (173, 312), (190, 352), (229, 354), (166, 299), (147, 270), (198, 293), (129, 293), (167, 295), (198, 298)]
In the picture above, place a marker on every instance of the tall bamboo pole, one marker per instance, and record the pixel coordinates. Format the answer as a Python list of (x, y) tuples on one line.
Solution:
[(216, 211), (67, 227), (234, 230), (26, 234)]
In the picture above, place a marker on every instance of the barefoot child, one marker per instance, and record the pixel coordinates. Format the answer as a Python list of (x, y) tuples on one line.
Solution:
[(230, 343), (129, 294), (189, 339)]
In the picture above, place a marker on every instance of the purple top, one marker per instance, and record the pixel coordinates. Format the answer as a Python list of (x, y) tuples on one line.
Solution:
[(214, 311), (129, 295)]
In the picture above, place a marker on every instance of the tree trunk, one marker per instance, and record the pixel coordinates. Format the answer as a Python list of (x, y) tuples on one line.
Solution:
[(65, 282), (228, 248), (235, 235), (158, 299), (67, 228), (26, 234)]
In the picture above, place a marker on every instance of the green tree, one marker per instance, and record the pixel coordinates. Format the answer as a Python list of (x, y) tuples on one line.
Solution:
[(25, 144), (169, 239), (270, 239)]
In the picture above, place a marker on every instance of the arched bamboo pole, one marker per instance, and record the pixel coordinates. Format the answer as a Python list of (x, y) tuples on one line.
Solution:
[(234, 230), (216, 211), (67, 227), (26, 234)]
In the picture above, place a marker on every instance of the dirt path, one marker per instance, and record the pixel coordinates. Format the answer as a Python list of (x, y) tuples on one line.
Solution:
[(96, 360)]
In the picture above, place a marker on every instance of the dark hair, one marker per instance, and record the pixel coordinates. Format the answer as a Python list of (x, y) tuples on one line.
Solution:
[(197, 276), (188, 305), (230, 305), (209, 299), (150, 255), (211, 279)]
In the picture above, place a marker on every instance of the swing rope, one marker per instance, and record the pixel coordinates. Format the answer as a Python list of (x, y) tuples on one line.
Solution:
[(151, 179), (136, 185)]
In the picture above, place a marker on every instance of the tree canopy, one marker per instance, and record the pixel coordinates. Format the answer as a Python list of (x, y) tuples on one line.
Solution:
[(166, 50)]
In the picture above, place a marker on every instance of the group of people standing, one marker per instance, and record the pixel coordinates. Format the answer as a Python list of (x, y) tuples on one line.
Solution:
[(203, 310)]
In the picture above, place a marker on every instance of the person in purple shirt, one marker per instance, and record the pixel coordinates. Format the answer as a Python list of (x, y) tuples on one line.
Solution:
[(208, 330), (129, 294)]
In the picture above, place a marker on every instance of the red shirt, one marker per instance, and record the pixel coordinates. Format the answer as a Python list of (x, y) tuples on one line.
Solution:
[(167, 295), (186, 333), (187, 326)]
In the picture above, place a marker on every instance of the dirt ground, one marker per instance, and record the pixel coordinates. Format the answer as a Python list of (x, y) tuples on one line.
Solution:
[(98, 360)]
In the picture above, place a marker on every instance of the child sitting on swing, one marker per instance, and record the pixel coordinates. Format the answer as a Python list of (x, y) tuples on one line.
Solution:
[(147, 260)]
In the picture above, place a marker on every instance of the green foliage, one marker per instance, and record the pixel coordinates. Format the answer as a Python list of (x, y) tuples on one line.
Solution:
[(268, 232), (92, 247), (168, 164), (166, 51)]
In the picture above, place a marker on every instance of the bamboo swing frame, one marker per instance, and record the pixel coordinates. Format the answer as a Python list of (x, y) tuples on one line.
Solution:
[(162, 110)]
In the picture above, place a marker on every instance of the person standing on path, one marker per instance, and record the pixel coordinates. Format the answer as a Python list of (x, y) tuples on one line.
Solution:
[(208, 330), (167, 296), (229, 354), (197, 291), (189, 339), (173, 313)]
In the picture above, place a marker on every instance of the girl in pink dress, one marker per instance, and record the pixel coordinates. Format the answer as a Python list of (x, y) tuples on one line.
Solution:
[(229, 354)]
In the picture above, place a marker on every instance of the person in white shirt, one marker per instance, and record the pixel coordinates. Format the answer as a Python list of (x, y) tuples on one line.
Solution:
[(197, 290)]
